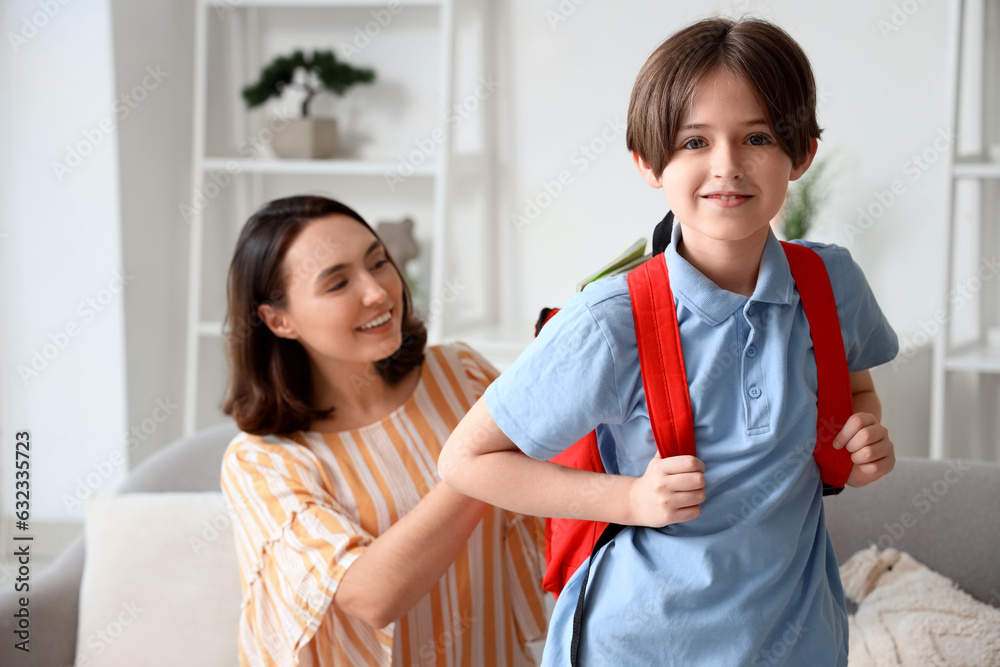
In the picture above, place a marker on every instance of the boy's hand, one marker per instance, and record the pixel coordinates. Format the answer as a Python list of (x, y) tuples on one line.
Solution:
[(670, 491), (870, 447)]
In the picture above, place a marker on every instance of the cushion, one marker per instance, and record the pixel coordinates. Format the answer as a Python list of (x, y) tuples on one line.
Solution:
[(161, 584), (909, 614)]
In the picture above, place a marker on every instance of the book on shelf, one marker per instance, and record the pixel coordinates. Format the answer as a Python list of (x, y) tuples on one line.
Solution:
[(632, 257)]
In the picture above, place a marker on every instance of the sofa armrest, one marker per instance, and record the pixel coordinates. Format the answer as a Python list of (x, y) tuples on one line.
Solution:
[(188, 464)]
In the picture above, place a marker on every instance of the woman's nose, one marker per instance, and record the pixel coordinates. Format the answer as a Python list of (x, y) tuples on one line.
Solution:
[(372, 290)]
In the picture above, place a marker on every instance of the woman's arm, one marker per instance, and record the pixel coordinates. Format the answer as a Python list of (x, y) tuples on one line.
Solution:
[(406, 561), (480, 460)]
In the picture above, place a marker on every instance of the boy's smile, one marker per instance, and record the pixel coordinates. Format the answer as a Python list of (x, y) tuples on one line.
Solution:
[(725, 181)]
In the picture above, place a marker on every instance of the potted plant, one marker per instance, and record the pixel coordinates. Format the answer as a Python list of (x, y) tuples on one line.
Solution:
[(803, 201), (306, 137)]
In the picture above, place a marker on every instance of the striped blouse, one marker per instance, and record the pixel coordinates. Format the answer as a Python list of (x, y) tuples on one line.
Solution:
[(307, 505)]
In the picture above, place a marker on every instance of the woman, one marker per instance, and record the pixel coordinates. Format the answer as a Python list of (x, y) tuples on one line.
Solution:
[(351, 552)]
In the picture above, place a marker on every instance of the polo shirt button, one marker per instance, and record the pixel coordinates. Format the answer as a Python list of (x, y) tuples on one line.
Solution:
[(754, 392), (751, 351), (750, 311)]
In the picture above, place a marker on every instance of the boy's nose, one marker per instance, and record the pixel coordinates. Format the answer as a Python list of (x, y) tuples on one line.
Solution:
[(727, 162)]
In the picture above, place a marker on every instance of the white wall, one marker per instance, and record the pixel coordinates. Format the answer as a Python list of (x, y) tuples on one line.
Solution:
[(562, 84), (155, 157), (569, 77), (62, 282)]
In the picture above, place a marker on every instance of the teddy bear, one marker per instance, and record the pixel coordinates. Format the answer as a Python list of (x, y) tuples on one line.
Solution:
[(910, 615), (399, 240)]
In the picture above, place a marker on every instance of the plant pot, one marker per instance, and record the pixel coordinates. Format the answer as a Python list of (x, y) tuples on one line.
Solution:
[(306, 138)]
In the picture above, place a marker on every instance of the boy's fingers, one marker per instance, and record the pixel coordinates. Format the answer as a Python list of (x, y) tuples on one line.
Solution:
[(873, 452), (689, 499), (869, 436), (854, 424), (845, 435), (688, 481), (684, 463)]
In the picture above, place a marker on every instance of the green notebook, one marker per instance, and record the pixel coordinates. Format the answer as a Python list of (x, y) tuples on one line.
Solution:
[(633, 256)]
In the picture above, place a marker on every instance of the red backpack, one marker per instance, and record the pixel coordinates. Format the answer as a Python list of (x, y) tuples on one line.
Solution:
[(571, 542)]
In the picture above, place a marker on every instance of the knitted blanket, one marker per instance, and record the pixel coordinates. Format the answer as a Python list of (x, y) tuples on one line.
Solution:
[(910, 615)]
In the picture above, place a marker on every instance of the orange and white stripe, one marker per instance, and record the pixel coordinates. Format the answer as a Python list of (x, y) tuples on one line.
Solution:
[(307, 505)]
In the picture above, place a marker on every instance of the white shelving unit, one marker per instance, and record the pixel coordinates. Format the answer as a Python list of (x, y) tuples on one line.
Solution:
[(974, 105), (242, 26)]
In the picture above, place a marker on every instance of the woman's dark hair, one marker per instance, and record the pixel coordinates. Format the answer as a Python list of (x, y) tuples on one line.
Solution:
[(270, 381)]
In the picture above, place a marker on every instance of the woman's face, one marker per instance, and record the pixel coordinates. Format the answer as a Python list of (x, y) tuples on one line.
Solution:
[(345, 299)]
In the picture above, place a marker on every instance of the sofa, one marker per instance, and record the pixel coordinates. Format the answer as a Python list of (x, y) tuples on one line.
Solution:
[(946, 514)]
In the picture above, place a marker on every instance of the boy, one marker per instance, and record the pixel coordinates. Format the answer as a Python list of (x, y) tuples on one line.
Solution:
[(726, 560)]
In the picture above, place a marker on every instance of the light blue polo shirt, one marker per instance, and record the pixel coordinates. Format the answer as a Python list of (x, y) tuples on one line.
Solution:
[(754, 579)]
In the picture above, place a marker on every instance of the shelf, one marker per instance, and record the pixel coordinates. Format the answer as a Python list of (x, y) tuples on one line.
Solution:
[(245, 41), (977, 169), (977, 357), (282, 4), (315, 167)]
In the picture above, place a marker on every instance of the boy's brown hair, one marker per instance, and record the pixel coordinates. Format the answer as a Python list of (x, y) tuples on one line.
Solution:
[(761, 53)]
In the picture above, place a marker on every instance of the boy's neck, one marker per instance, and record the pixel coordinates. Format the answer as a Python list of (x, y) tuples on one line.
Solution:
[(731, 265)]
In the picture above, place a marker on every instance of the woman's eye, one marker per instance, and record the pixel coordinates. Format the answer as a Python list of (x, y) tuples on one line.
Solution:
[(687, 144), (379, 264), (759, 140), (337, 286)]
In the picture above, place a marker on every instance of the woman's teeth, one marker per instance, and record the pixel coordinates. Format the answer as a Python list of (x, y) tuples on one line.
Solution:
[(378, 321)]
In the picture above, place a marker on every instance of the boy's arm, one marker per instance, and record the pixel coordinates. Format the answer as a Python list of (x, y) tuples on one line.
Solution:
[(479, 460), (864, 435), (865, 398)]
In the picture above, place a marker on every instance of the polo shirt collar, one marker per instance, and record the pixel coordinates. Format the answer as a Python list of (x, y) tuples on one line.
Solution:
[(715, 305)]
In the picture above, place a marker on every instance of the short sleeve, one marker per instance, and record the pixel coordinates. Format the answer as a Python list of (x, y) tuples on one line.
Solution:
[(524, 565), (294, 545), (869, 340), (567, 381)]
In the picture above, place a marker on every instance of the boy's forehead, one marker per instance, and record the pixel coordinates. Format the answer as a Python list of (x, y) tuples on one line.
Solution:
[(726, 97), (693, 124)]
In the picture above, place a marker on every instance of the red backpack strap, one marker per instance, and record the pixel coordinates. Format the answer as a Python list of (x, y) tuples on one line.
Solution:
[(664, 379), (835, 401)]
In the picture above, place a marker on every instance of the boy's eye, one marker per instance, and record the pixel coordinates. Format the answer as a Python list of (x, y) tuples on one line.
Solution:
[(687, 144), (759, 140)]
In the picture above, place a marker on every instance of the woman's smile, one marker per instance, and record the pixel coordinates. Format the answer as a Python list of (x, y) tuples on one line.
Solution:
[(378, 324)]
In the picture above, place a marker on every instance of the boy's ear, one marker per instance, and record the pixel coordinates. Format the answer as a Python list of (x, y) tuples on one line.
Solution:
[(276, 321), (803, 166), (651, 177)]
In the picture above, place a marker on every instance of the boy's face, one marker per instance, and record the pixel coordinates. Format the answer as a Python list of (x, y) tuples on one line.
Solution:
[(728, 176)]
